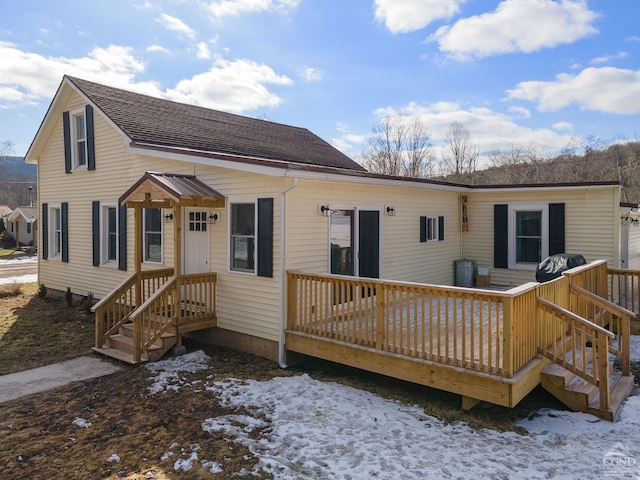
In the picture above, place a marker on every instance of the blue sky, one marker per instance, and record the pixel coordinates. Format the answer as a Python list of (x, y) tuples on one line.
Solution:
[(534, 73)]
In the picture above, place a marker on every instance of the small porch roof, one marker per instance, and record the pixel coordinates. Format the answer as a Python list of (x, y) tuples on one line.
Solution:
[(155, 190)]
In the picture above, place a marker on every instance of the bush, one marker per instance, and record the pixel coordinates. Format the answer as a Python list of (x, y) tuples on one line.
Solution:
[(68, 297), (11, 290), (87, 303), (42, 291)]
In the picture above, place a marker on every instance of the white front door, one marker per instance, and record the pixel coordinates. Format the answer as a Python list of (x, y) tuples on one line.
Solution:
[(195, 242)]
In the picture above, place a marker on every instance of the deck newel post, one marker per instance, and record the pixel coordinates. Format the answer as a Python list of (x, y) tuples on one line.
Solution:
[(99, 320), (292, 301), (137, 260), (177, 268), (603, 370), (507, 319), (625, 338), (380, 320)]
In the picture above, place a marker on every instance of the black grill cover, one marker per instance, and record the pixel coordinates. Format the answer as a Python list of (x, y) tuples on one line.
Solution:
[(553, 266)]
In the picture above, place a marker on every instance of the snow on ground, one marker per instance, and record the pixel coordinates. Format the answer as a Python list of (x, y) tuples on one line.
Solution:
[(635, 348), (303, 428), (19, 260), (30, 278)]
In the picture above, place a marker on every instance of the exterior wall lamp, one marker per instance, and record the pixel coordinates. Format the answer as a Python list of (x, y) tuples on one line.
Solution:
[(213, 218), (168, 218), (390, 211), (324, 210)]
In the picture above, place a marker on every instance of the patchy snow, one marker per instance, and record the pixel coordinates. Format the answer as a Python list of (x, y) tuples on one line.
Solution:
[(30, 278), (299, 427), (19, 260), (635, 348), (168, 372), (114, 458), (81, 422)]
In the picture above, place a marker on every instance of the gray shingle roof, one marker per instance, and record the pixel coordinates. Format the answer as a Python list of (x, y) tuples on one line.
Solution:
[(166, 124)]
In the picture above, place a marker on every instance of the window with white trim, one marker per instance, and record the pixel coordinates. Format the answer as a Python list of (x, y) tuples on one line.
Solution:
[(152, 234), (29, 227), (528, 235), (432, 229), (243, 237), (79, 152), (109, 224), (55, 232)]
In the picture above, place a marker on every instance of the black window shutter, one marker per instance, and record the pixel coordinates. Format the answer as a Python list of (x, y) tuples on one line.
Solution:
[(91, 149), (95, 231), (440, 228), (556, 228), (500, 236), (122, 237), (265, 237), (64, 220), (44, 228), (66, 128), (423, 229)]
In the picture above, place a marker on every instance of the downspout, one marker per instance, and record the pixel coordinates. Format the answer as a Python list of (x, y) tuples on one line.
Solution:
[(282, 273)]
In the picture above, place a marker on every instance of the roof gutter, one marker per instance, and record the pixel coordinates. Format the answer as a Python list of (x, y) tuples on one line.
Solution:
[(282, 273)]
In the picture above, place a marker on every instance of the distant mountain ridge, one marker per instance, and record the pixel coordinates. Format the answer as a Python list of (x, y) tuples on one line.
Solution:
[(16, 177)]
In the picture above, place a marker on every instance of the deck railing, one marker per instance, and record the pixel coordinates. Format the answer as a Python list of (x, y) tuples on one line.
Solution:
[(488, 331), (624, 288), (113, 310), (451, 325)]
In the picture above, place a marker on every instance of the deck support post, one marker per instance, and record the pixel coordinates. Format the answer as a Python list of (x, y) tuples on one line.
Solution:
[(603, 370), (137, 260), (507, 351), (469, 402), (380, 320), (177, 267)]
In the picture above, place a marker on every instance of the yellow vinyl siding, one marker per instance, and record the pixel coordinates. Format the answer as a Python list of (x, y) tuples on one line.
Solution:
[(591, 227)]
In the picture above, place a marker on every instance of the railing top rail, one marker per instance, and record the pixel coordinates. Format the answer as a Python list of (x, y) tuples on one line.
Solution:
[(157, 272), (378, 281), (623, 271), (576, 318), (200, 275), (576, 270), (612, 307)]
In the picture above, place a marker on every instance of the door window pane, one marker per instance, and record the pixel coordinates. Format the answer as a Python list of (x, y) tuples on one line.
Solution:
[(342, 229)]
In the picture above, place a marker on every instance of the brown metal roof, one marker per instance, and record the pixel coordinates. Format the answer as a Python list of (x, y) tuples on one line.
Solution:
[(175, 188), (154, 122)]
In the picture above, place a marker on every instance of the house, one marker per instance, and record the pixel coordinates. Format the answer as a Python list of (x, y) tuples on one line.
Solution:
[(5, 211), (22, 226), (262, 237)]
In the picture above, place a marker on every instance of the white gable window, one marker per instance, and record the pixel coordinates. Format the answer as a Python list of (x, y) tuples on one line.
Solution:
[(152, 234), (528, 235), (79, 139)]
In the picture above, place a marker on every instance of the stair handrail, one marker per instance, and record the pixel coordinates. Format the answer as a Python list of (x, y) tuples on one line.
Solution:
[(160, 300), (599, 336), (623, 350)]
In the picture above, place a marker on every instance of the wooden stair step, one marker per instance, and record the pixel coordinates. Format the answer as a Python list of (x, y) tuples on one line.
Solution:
[(127, 330), (622, 388), (115, 353)]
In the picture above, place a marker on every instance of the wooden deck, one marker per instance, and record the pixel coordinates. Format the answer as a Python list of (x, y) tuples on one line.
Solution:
[(482, 344)]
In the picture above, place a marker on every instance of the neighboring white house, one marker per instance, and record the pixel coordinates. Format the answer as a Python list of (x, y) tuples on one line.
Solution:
[(22, 225)]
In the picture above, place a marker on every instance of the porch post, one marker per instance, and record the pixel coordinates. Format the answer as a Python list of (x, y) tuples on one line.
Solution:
[(137, 251), (177, 266)]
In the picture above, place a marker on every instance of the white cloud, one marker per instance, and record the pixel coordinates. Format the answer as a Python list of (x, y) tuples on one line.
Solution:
[(234, 8), (203, 51), (520, 112), (234, 86), (568, 126), (28, 77), (517, 26), (176, 25), (403, 16), (608, 58), (605, 89), (347, 141), (490, 129), (158, 49), (311, 74)]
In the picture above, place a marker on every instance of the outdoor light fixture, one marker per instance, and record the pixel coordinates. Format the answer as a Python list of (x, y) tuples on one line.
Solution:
[(325, 210), (213, 218), (390, 211), (168, 218)]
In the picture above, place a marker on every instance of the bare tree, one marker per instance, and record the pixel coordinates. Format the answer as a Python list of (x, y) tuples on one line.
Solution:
[(6, 147), (400, 146), (461, 154)]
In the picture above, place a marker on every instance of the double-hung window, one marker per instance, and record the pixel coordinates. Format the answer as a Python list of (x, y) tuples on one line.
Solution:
[(79, 139), (109, 234), (55, 247), (152, 234), (432, 229), (29, 224), (243, 238), (528, 233)]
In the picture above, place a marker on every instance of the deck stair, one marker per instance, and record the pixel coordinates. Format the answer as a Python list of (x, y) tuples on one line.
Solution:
[(120, 345), (583, 396)]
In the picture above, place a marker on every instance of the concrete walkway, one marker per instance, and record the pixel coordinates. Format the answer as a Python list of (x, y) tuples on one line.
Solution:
[(16, 385)]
